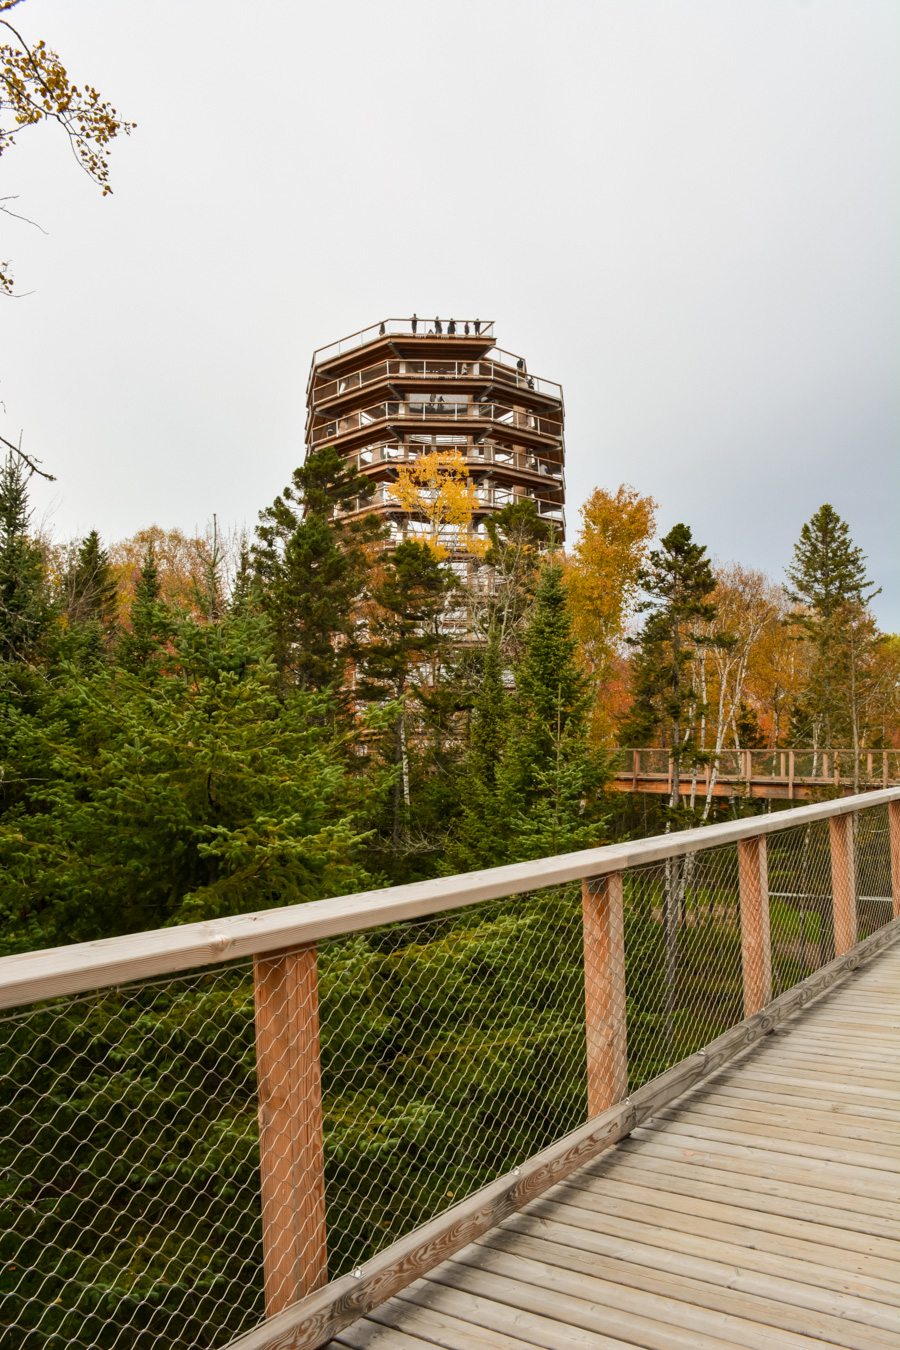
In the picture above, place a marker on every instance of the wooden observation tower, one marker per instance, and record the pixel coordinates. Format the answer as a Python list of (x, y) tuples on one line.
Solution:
[(389, 394)]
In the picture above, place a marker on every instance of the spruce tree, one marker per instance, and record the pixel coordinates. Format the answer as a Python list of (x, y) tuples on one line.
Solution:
[(678, 583), (142, 649), (24, 604), (405, 649), (533, 783), (828, 579), (551, 776), (311, 565), (828, 569)]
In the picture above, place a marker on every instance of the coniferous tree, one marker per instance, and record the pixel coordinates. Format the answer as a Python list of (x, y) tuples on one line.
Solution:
[(828, 569), (828, 579), (90, 601), (678, 583), (24, 603), (311, 562), (405, 649), (534, 784), (552, 776), (142, 649)]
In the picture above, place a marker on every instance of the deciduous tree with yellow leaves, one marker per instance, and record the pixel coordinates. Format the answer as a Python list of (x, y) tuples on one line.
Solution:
[(436, 488), (602, 575)]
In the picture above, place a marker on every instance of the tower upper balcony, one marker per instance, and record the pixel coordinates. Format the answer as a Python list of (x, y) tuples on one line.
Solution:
[(403, 387)]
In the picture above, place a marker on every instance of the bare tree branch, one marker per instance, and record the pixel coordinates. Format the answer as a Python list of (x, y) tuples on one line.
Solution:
[(26, 459)]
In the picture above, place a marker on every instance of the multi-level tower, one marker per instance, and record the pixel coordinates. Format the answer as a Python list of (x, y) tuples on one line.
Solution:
[(405, 387)]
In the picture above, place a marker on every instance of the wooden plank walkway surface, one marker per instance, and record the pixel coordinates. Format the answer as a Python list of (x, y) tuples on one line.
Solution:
[(762, 1209)]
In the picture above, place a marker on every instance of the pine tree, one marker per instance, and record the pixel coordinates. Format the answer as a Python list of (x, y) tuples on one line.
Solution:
[(24, 604), (311, 563)]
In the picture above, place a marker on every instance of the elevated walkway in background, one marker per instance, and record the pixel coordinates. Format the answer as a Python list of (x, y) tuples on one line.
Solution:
[(773, 775), (760, 1209)]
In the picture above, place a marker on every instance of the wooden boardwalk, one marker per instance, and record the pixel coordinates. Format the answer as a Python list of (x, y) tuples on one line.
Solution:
[(762, 1209)]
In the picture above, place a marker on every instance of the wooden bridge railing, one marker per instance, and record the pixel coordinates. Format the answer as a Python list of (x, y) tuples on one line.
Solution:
[(789, 774), (674, 892)]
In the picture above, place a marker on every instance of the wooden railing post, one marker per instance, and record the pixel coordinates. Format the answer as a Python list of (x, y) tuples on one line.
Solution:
[(290, 1126), (843, 882), (604, 991), (894, 836), (756, 946)]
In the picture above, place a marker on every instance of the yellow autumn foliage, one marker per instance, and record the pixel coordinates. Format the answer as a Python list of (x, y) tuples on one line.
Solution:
[(436, 488)]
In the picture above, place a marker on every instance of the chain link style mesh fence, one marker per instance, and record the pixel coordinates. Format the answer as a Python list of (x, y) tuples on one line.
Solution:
[(451, 1049)]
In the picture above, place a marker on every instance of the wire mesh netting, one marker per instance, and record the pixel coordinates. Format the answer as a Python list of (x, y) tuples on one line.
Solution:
[(446, 1051)]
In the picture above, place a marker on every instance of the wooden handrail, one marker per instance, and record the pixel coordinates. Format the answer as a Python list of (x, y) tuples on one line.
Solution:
[(29, 976)]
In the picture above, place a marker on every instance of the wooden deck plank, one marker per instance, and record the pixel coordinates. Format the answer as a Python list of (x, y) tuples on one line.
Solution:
[(863, 1288), (440, 1328), (677, 1257), (671, 1193), (814, 1327), (765, 1165), (862, 1214), (650, 1305), (572, 1313), (744, 1234), (862, 1110), (817, 1127), (493, 1314), (806, 1146)]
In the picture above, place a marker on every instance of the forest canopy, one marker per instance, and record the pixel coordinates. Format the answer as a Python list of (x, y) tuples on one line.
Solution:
[(192, 727)]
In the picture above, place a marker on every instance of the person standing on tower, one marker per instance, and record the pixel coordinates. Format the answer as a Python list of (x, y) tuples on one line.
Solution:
[(451, 327), (437, 325), (477, 327), (415, 323)]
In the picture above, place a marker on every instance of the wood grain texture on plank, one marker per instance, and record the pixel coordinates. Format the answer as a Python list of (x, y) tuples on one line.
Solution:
[(649, 1305), (739, 1255), (862, 1214), (743, 1209), (814, 1326), (742, 1234), (713, 1267), (534, 1328), (440, 1327), (809, 1147), (570, 1311)]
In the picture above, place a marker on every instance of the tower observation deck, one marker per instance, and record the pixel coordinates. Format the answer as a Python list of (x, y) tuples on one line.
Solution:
[(404, 388)]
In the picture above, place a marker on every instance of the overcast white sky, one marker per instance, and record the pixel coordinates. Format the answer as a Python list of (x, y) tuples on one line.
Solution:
[(684, 210)]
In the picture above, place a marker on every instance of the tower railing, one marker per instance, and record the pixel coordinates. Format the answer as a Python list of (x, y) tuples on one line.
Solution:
[(398, 327), (440, 410), (436, 369), (252, 1130)]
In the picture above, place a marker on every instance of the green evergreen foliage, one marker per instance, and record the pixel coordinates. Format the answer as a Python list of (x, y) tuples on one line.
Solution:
[(531, 772), (828, 579), (828, 569), (24, 603), (311, 566), (152, 800), (403, 658), (143, 648), (678, 583), (90, 588)]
